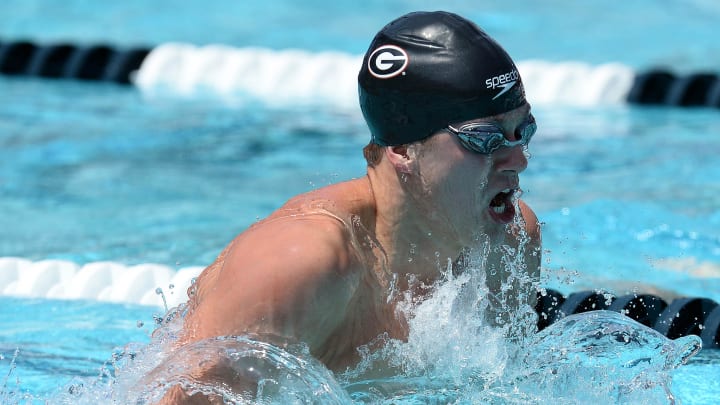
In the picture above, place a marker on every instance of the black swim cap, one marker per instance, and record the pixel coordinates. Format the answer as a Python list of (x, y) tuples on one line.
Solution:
[(427, 69)]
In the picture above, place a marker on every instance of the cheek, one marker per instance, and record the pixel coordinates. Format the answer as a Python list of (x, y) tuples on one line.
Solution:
[(465, 185), (454, 176)]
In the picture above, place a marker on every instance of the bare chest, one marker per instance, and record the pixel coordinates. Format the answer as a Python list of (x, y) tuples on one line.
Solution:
[(369, 322)]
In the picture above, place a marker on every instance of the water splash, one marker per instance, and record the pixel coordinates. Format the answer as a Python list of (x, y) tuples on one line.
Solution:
[(261, 372), (597, 356), (5, 391), (249, 369), (604, 356), (456, 341), (450, 357), (456, 353), (467, 343)]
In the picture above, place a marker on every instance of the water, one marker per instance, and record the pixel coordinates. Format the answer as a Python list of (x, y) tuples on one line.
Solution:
[(452, 355), (134, 181), (93, 173)]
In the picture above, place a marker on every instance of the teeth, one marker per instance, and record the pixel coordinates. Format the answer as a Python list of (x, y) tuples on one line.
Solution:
[(501, 201)]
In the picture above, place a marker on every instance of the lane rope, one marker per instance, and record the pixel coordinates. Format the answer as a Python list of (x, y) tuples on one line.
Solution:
[(296, 76), (162, 286), (681, 317)]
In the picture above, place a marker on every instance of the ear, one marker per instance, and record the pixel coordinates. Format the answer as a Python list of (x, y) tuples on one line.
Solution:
[(401, 157)]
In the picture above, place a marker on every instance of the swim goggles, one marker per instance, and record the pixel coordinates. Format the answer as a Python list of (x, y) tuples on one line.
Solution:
[(486, 137)]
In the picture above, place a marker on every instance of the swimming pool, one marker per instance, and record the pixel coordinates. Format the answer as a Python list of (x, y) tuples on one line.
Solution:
[(92, 173)]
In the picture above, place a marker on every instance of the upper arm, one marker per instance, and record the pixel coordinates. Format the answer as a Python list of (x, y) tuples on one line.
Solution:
[(290, 277)]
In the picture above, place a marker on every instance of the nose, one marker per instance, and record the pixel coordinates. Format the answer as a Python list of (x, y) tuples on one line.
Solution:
[(511, 159)]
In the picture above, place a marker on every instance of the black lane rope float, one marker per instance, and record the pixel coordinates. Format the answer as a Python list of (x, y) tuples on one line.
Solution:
[(106, 63), (67, 61), (680, 317), (662, 87)]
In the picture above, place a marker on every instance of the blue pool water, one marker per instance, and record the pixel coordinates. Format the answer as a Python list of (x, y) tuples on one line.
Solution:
[(95, 173)]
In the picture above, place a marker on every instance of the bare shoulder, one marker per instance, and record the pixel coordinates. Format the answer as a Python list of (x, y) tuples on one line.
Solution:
[(532, 224), (316, 240), (279, 277), (533, 253)]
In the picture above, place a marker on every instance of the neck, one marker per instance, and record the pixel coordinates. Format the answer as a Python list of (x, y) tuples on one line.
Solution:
[(416, 245)]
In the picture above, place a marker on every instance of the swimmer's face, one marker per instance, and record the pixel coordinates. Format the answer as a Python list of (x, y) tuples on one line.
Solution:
[(475, 191)]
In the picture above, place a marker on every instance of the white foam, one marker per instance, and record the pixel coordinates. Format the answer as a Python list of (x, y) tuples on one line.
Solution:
[(329, 79), (101, 281)]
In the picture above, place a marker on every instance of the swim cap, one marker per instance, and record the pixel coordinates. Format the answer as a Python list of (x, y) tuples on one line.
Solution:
[(425, 70)]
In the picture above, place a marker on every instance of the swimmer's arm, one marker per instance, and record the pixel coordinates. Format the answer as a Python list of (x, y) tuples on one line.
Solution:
[(289, 278), (285, 277)]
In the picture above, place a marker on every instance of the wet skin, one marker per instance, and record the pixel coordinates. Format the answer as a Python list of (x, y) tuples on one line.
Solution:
[(318, 270)]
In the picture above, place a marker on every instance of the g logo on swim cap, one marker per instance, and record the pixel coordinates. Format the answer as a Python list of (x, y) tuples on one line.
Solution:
[(387, 61)]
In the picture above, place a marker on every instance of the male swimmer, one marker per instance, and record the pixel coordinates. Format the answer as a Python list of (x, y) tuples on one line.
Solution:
[(446, 109)]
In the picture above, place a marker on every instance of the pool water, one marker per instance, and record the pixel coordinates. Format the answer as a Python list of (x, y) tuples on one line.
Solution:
[(90, 173)]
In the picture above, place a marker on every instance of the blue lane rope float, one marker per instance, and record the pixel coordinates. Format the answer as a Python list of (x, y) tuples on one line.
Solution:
[(681, 317), (106, 63)]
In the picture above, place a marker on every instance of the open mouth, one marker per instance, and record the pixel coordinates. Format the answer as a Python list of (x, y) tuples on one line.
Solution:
[(501, 206)]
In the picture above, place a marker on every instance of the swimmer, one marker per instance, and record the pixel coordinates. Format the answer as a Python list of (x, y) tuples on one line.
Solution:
[(449, 122)]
